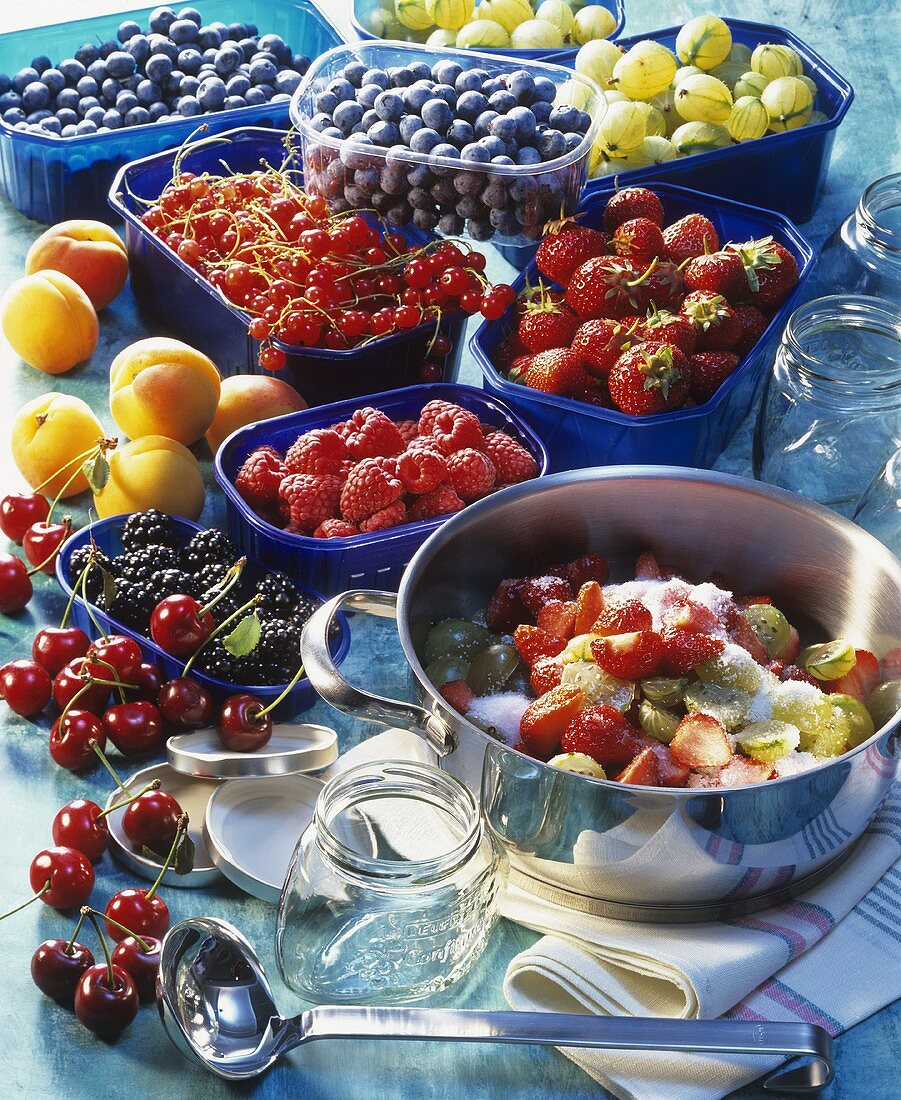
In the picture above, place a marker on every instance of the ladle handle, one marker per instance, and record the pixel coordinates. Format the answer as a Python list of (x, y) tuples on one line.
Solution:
[(323, 673), (789, 1040)]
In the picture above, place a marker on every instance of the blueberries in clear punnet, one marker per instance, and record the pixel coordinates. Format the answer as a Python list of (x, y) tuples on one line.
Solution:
[(541, 110), (408, 126), (528, 154), (127, 30), (227, 60), (525, 122), (551, 144), (468, 80), (389, 106), (161, 19), (425, 140), (460, 133), (86, 103), (471, 104), (417, 95), (189, 60), (370, 118), (437, 114), (475, 154), (503, 127), (572, 141), (354, 73), (376, 76), (68, 117), (343, 90), (522, 85), (325, 102), (367, 95), (263, 71), (120, 65), (383, 133), (493, 146), (584, 121), (35, 96)]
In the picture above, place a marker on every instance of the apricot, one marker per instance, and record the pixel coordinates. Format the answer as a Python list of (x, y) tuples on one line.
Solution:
[(88, 252), (49, 321), (152, 472), (247, 398), (48, 435), (159, 386)]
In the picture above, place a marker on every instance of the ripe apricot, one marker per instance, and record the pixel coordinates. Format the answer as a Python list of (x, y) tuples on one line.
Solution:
[(49, 321), (49, 432), (152, 472), (89, 252), (247, 398)]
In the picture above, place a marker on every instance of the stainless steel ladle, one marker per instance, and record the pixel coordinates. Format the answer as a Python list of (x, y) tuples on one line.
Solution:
[(217, 1007)]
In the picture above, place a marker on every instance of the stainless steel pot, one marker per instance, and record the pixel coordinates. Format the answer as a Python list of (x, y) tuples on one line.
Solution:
[(646, 853)]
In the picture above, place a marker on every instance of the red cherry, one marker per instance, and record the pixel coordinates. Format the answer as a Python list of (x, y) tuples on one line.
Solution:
[(242, 726), (185, 703), (179, 625), (141, 912), (136, 729), (69, 873), (26, 687), (106, 1000), (18, 511), (71, 738), (123, 654), (78, 825), (42, 542), (55, 646), (56, 968), (68, 682), (141, 960), (15, 584), (148, 680), (151, 821)]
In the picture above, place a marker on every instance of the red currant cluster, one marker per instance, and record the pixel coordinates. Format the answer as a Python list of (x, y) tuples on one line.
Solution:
[(309, 278)]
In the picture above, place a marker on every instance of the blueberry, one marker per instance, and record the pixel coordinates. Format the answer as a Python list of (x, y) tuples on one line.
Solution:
[(68, 97), (261, 55), (389, 106), (425, 140), (189, 61), (159, 43), (475, 154), (541, 110), (27, 76), (287, 82), (159, 67), (120, 65), (502, 101), (417, 95), (525, 122), (87, 86), (208, 57), (127, 30), (33, 118), (479, 230), (13, 115), (264, 72), (66, 116), (551, 144), (584, 122), (376, 76), (87, 53), (161, 19), (408, 126), (344, 90), (86, 127), (188, 85), (191, 13), (247, 46), (528, 154), (471, 104), (69, 131), (468, 81), (450, 225), (237, 84), (445, 92), (418, 176), (112, 120), (148, 91), (437, 114), (420, 70), (108, 47), (233, 102), (300, 63), (384, 133), (95, 114), (71, 69), (573, 141), (503, 127), (188, 106), (253, 31), (446, 72), (137, 116), (97, 70), (86, 103), (503, 159), (370, 118), (209, 38), (326, 102), (6, 84), (367, 95), (125, 101), (227, 60), (53, 125), (400, 77), (275, 44), (35, 96), (460, 133), (237, 31), (482, 125), (444, 151), (545, 90), (212, 93), (522, 84), (139, 48), (319, 122), (254, 97), (183, 31), (565, 117), (221, 27), (493, 146)]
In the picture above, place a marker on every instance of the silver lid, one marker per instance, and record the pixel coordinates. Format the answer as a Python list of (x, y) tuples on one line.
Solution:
[(290, 749)]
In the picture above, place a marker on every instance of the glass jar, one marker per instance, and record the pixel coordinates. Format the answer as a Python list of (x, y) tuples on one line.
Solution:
[(391, 891), (831, 413), (879, 510), (863, 256)]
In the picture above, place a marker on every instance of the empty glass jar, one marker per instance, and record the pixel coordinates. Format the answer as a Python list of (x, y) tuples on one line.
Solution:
[(879, 510), (831, 414), (391, 891)]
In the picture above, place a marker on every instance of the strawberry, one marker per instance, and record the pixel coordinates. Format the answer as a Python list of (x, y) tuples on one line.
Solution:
[(535, 592), (740, 772), (558, 371), (643, 771), (792, 672), (441, 501), (649, 380), (532, 643), (671, 772), (700, 741), (632, 202), (689, 615), (311, 498), (639, 239), (459, 694), (717, 273), (717, 326), (372, 434), (629, 656), (664, 285), (771, 270), (546, 324), (546, 673), (861, 680), (545, 718), (601, 342), (589, 604), (260, 476), (607, 286), (590, 567), (602, 733), (622, 618), (519, 367), (742, 633), (664, 327), (558, 617), (505, 608), (512, 462), (565, 247), (753, 325), (471, 472), (646, 567), (789, 655), (684, 650), (709, 370), (691, 236), (595, 395)]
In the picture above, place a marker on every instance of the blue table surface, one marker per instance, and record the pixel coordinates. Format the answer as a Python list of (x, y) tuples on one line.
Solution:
[(44, 1051)]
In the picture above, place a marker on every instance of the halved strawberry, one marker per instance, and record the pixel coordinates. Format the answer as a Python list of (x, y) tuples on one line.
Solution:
[(505, 608), (739, 772), (532, 642), (742, 633), (537, 591), (602, 733), (792, 647), (589, 605), (458, 693), (646, 567), (629, 656), (750, 601), (590, 567), (861, 680), (545, 719), (622, 618), (690, 615), (700, 741), (686, 649), (793, 672), (644, 771), (558, 617), (671, 772), (546, 673)]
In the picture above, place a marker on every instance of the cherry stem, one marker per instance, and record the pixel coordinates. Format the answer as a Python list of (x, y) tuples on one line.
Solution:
[(154, 785), (101, 756), (115, 681), (39, 568), (179, 833), (86, 911), (43, 890), (275, 702), (142, 943), (88, 608), (233, 578), (78, 458), (81, 577), (217, 631), (67, 950), (78, 694)]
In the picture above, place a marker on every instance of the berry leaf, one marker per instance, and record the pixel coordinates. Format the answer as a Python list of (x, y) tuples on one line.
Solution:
[(109, 586), (96, 472), (245, 637), (183, 863)]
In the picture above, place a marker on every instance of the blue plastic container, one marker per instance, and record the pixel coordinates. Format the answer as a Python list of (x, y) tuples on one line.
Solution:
[(784, 172), (375, 560), (176, 295), (51, 179), (364, 8), (578, 435), (106, 533)]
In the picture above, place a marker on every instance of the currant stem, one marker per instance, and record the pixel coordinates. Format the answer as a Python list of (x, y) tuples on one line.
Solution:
[(217, 631), (101, 756), (275, 702), (179, 833), (142, 943), (86, 911), (235, 571), (43, 890), (67, 950), (154, 785)]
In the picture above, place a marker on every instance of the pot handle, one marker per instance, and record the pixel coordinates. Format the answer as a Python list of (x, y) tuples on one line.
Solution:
[(323, 673)]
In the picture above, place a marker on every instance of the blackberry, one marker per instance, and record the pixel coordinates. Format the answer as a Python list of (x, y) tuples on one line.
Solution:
[(305, 608), (280, 595), (216, 661), (227, 606), (140, 565), (132, 604), (206, 549), (150, 528), (77, 563), (166, 582), (278, 653)]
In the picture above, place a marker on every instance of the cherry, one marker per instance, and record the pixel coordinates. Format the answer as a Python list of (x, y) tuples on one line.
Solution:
[(243, 725), (55, 646), (136, 729), (148, 680), (122, 654), (151, 821), (180, 625), (18, 511), (140, 958), (61, 877), (139, 912), (42, 542), (79, 825), (185, 703), (26, 687), (57, 966), (72, 737), (15, 584), (106, 1000), (69, 681)]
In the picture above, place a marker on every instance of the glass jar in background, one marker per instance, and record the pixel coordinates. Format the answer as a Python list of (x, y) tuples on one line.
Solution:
[(391, 891), (879, 509), (863, 256), (831, 413)]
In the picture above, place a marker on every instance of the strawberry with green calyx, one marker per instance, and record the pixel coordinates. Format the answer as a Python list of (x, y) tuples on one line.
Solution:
[(691, 236), (717, 273), (602, 341), (565, 247), (545, 324), (612, 286), (649, 380), (629, 203), (639, 239), (714, 319), (559, 371), (671, 328), (771, 270)]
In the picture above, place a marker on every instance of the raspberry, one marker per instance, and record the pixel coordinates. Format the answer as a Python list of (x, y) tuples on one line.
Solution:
[(321, 451), (335, 529), (511, 460), (422, 468), (452, 427), (311, 498), (392, 516), (372, 433), (259, 478), (409, 430), (369, 488), (472, 473), (439, 502)]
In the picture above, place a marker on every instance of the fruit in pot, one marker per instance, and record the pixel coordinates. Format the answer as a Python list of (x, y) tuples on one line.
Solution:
[(246, 399), (89, 252), (152, 472), (49, 321), (49, 435), (163, 387)]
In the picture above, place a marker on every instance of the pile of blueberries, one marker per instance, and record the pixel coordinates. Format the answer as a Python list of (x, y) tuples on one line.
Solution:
[(445, 144), (177, 68)]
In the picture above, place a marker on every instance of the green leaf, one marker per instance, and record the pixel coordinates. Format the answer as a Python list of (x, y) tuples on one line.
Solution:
[(109, 587), (245, 637), (183, 863), (149, 853), (96, 471)]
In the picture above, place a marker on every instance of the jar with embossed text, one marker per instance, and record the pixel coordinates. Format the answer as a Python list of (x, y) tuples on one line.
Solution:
[(391, 892)]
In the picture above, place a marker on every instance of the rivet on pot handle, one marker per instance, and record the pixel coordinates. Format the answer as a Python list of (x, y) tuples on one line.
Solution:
[(337, 692)]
